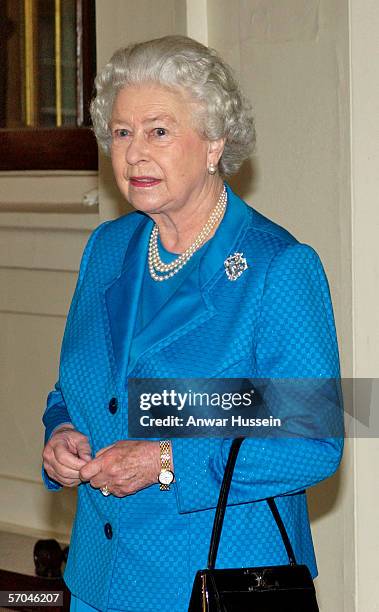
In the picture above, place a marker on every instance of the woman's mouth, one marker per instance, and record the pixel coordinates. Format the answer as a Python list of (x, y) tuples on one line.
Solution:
[(144, 181)]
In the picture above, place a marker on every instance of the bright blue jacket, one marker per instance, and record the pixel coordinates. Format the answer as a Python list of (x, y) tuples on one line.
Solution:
[(275, 320)]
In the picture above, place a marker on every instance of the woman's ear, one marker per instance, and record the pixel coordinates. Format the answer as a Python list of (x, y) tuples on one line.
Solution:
[(215, 150)]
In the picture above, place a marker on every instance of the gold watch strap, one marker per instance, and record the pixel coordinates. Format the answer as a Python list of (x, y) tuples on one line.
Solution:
[(165, 448)]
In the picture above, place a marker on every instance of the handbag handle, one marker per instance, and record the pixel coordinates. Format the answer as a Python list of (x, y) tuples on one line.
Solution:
[(221, 507)]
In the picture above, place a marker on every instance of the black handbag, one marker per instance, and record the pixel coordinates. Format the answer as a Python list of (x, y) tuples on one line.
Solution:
[(283, 588)]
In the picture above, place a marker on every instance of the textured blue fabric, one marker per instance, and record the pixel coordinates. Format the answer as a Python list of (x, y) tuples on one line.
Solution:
[(276, 320), (77, 605)]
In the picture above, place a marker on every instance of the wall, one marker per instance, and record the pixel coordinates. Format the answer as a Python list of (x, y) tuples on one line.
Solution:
[(364, 51)]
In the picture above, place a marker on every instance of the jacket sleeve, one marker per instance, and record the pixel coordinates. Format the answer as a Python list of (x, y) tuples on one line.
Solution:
[(295, 338), (56, 412)]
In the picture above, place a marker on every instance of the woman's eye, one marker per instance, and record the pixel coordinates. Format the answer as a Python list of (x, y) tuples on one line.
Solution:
[(160, 131), (121, 133)]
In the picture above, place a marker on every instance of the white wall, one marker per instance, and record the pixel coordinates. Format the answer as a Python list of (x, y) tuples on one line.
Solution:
[(364, 28)]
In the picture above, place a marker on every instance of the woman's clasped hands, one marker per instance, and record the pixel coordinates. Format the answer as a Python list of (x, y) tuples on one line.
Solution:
[(124, 467)]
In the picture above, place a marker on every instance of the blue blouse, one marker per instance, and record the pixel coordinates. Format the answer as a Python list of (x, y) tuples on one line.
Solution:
[(154, 294)]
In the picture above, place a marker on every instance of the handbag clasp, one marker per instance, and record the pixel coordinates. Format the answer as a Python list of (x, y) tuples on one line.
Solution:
[(263, 579)]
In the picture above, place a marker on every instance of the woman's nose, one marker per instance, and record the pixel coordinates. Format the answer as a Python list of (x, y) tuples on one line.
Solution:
[(137, 149)]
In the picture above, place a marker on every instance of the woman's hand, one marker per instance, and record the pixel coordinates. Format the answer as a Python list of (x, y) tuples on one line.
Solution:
[(65, 454), (125, 467)]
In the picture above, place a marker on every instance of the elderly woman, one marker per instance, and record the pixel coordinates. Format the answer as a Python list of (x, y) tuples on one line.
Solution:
[(155, 299)]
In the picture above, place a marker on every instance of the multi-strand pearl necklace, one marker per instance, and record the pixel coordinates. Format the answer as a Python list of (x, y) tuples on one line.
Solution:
[(161, 271)]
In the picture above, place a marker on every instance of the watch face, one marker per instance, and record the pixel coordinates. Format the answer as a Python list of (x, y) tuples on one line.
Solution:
[(166, 477)]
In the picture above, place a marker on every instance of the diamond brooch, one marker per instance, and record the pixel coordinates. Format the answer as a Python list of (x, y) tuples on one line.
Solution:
[(234, 266)]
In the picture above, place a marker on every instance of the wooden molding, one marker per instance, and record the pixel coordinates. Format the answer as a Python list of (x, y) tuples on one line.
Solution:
[(48, 149)]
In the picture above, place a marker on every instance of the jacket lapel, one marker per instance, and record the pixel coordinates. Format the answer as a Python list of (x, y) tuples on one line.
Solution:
[(122, 295), (226, 241)]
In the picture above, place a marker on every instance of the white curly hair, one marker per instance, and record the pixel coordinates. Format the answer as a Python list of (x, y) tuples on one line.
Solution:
[(181, 62)]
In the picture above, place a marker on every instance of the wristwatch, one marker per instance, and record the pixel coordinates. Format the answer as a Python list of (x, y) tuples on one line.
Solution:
[(166, 475)]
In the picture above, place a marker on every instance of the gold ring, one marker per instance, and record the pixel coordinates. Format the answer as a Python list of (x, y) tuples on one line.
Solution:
[(105, 491)]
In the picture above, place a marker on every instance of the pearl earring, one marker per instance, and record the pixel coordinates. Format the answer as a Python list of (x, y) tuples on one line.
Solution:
[(212, 169)]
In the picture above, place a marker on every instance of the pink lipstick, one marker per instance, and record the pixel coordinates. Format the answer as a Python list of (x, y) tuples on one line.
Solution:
[(144, 181)]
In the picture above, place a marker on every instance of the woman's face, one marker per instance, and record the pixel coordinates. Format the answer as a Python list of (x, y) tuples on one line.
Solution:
[(159, 160)]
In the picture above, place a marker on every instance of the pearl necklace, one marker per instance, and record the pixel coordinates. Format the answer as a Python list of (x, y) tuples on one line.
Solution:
[(161, 271)]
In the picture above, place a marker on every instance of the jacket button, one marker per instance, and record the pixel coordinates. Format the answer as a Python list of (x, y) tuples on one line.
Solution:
[(108, 531), (113, 405)]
